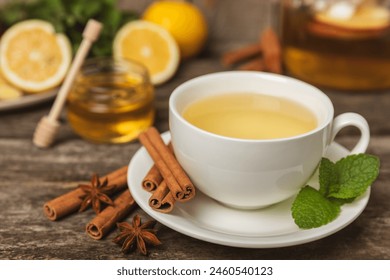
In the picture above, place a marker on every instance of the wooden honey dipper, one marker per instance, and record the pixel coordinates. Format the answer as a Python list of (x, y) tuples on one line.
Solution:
[(48, 126)]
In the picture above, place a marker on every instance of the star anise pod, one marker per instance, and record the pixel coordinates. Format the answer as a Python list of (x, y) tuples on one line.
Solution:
[(137, 235), (96, 194)]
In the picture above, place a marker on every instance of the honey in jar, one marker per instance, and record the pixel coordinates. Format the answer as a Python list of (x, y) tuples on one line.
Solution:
[(111, 101)]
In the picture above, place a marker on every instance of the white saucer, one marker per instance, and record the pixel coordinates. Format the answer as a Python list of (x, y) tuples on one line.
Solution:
[(205, 219)]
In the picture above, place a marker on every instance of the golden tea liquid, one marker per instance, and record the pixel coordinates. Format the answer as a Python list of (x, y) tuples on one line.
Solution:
[(110, 108), (351, 53), (250, 116)]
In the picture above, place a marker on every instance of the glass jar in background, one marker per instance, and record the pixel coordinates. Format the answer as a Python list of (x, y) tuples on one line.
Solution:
[(111, 101), (342, 44)]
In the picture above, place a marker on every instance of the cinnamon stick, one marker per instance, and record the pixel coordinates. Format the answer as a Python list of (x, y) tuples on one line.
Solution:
[(175, 177), (232, 57), (63, 205), (271, 51), (255, 64), (99, 226), (70, 202), (152, 179), (162, 199)]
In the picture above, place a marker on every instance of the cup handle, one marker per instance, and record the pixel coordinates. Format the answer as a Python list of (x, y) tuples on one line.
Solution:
[(353, 119)]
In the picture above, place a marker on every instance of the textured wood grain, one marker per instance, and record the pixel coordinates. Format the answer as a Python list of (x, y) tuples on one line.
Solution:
[(30, 176), (27, 234)]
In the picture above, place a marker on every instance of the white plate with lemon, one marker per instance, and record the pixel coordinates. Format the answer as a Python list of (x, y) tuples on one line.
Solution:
[(27, 100), (34, 60)]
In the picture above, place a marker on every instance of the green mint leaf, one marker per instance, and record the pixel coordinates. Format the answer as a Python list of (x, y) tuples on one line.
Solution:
[(340, 201), (310, 209), (355, 174), (327, 176)]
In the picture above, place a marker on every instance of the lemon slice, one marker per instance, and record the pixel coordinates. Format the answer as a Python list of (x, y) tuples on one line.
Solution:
[(8, 92), (33, 57), (150, 45), (363, 19)]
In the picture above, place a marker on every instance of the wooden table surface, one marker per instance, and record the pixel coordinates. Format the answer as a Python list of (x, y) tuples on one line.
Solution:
[(30, 176)]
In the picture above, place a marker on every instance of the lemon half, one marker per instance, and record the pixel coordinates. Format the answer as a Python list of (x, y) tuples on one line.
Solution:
[(365, 18), (150, 45), (33, 57)]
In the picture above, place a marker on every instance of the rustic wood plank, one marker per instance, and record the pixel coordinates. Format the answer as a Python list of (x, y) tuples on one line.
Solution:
[(31, 177)]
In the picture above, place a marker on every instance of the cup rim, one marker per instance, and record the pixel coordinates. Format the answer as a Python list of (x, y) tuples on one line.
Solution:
[(269, 76)]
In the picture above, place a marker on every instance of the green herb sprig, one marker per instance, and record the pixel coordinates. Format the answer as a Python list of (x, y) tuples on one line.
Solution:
[(70, 17), (340, 183)]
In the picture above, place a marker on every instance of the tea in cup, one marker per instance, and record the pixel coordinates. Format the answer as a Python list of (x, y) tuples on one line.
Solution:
[(249, 139), (250, 116)]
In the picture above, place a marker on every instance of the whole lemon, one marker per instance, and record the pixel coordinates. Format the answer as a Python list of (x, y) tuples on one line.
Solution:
[(183, 20)]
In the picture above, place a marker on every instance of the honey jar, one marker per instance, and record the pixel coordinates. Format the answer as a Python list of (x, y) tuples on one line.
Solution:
[(111, 101)]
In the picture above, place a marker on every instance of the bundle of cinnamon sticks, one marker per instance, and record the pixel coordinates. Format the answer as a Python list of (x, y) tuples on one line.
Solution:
[(166, 180), (105, 220), (264, 55)]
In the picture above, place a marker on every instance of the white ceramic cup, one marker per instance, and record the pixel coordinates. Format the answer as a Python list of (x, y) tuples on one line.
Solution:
[(251, 174)]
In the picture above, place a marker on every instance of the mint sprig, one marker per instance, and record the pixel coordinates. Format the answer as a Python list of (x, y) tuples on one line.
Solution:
[(340, 183), (70, 17)]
